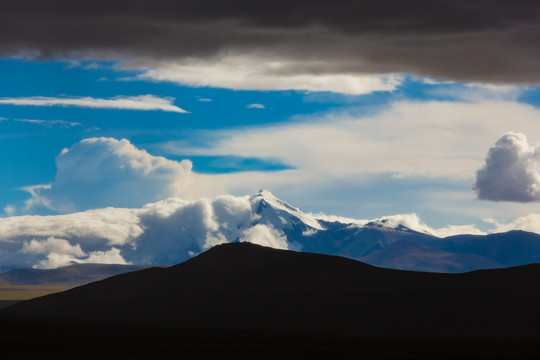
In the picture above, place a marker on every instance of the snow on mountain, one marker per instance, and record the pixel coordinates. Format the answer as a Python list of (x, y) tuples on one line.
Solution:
[(173, 230), (399, 241), (279, 214)]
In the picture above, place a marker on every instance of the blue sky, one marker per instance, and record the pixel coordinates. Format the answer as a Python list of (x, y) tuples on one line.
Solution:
[(122, 124), (217, 117)]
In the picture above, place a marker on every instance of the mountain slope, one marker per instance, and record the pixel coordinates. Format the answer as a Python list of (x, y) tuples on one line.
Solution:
[(408, 255), (509, 249), (385, 244), (245, 286)]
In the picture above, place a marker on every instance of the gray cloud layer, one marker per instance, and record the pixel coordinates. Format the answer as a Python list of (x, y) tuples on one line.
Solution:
[(486, 41)]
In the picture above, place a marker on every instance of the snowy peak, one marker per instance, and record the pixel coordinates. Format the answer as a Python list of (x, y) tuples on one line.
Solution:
[(268, 197), (279, 213)]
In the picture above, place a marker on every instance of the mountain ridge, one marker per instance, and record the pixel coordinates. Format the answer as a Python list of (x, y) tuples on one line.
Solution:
[(373, 242)]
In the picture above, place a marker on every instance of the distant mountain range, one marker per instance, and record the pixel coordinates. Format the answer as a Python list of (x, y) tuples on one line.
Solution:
[(382, 244), (73, 275), (173, 231), (243, 286)]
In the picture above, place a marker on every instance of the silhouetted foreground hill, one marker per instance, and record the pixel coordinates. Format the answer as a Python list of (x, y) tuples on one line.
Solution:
[(242, 286)]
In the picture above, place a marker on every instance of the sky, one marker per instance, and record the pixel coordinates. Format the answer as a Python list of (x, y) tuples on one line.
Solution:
[(354, 109)]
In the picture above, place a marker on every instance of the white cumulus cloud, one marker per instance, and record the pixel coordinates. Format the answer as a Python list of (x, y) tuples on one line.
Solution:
[(511, 171), (266, 236), (100, 172)]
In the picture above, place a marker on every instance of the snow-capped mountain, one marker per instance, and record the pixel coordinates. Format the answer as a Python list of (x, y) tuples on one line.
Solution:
[(387, 243), (306, 232), (174, 230), (279, 214)]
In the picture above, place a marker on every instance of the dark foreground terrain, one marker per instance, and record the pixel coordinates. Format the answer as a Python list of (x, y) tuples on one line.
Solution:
[(54, 341), (247, 301)]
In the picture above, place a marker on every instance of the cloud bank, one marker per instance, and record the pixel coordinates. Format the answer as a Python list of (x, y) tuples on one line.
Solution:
[(163, 232), (173, 230), (60, 252), (404, 139), (529, 222), (488, 41), (511, 171), (142, 102), (261, 73)]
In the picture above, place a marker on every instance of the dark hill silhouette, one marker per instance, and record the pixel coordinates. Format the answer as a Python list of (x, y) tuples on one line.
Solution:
[(242, 286)]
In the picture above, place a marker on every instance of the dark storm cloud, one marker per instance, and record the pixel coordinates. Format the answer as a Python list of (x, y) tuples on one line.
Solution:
[(490, 41)]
